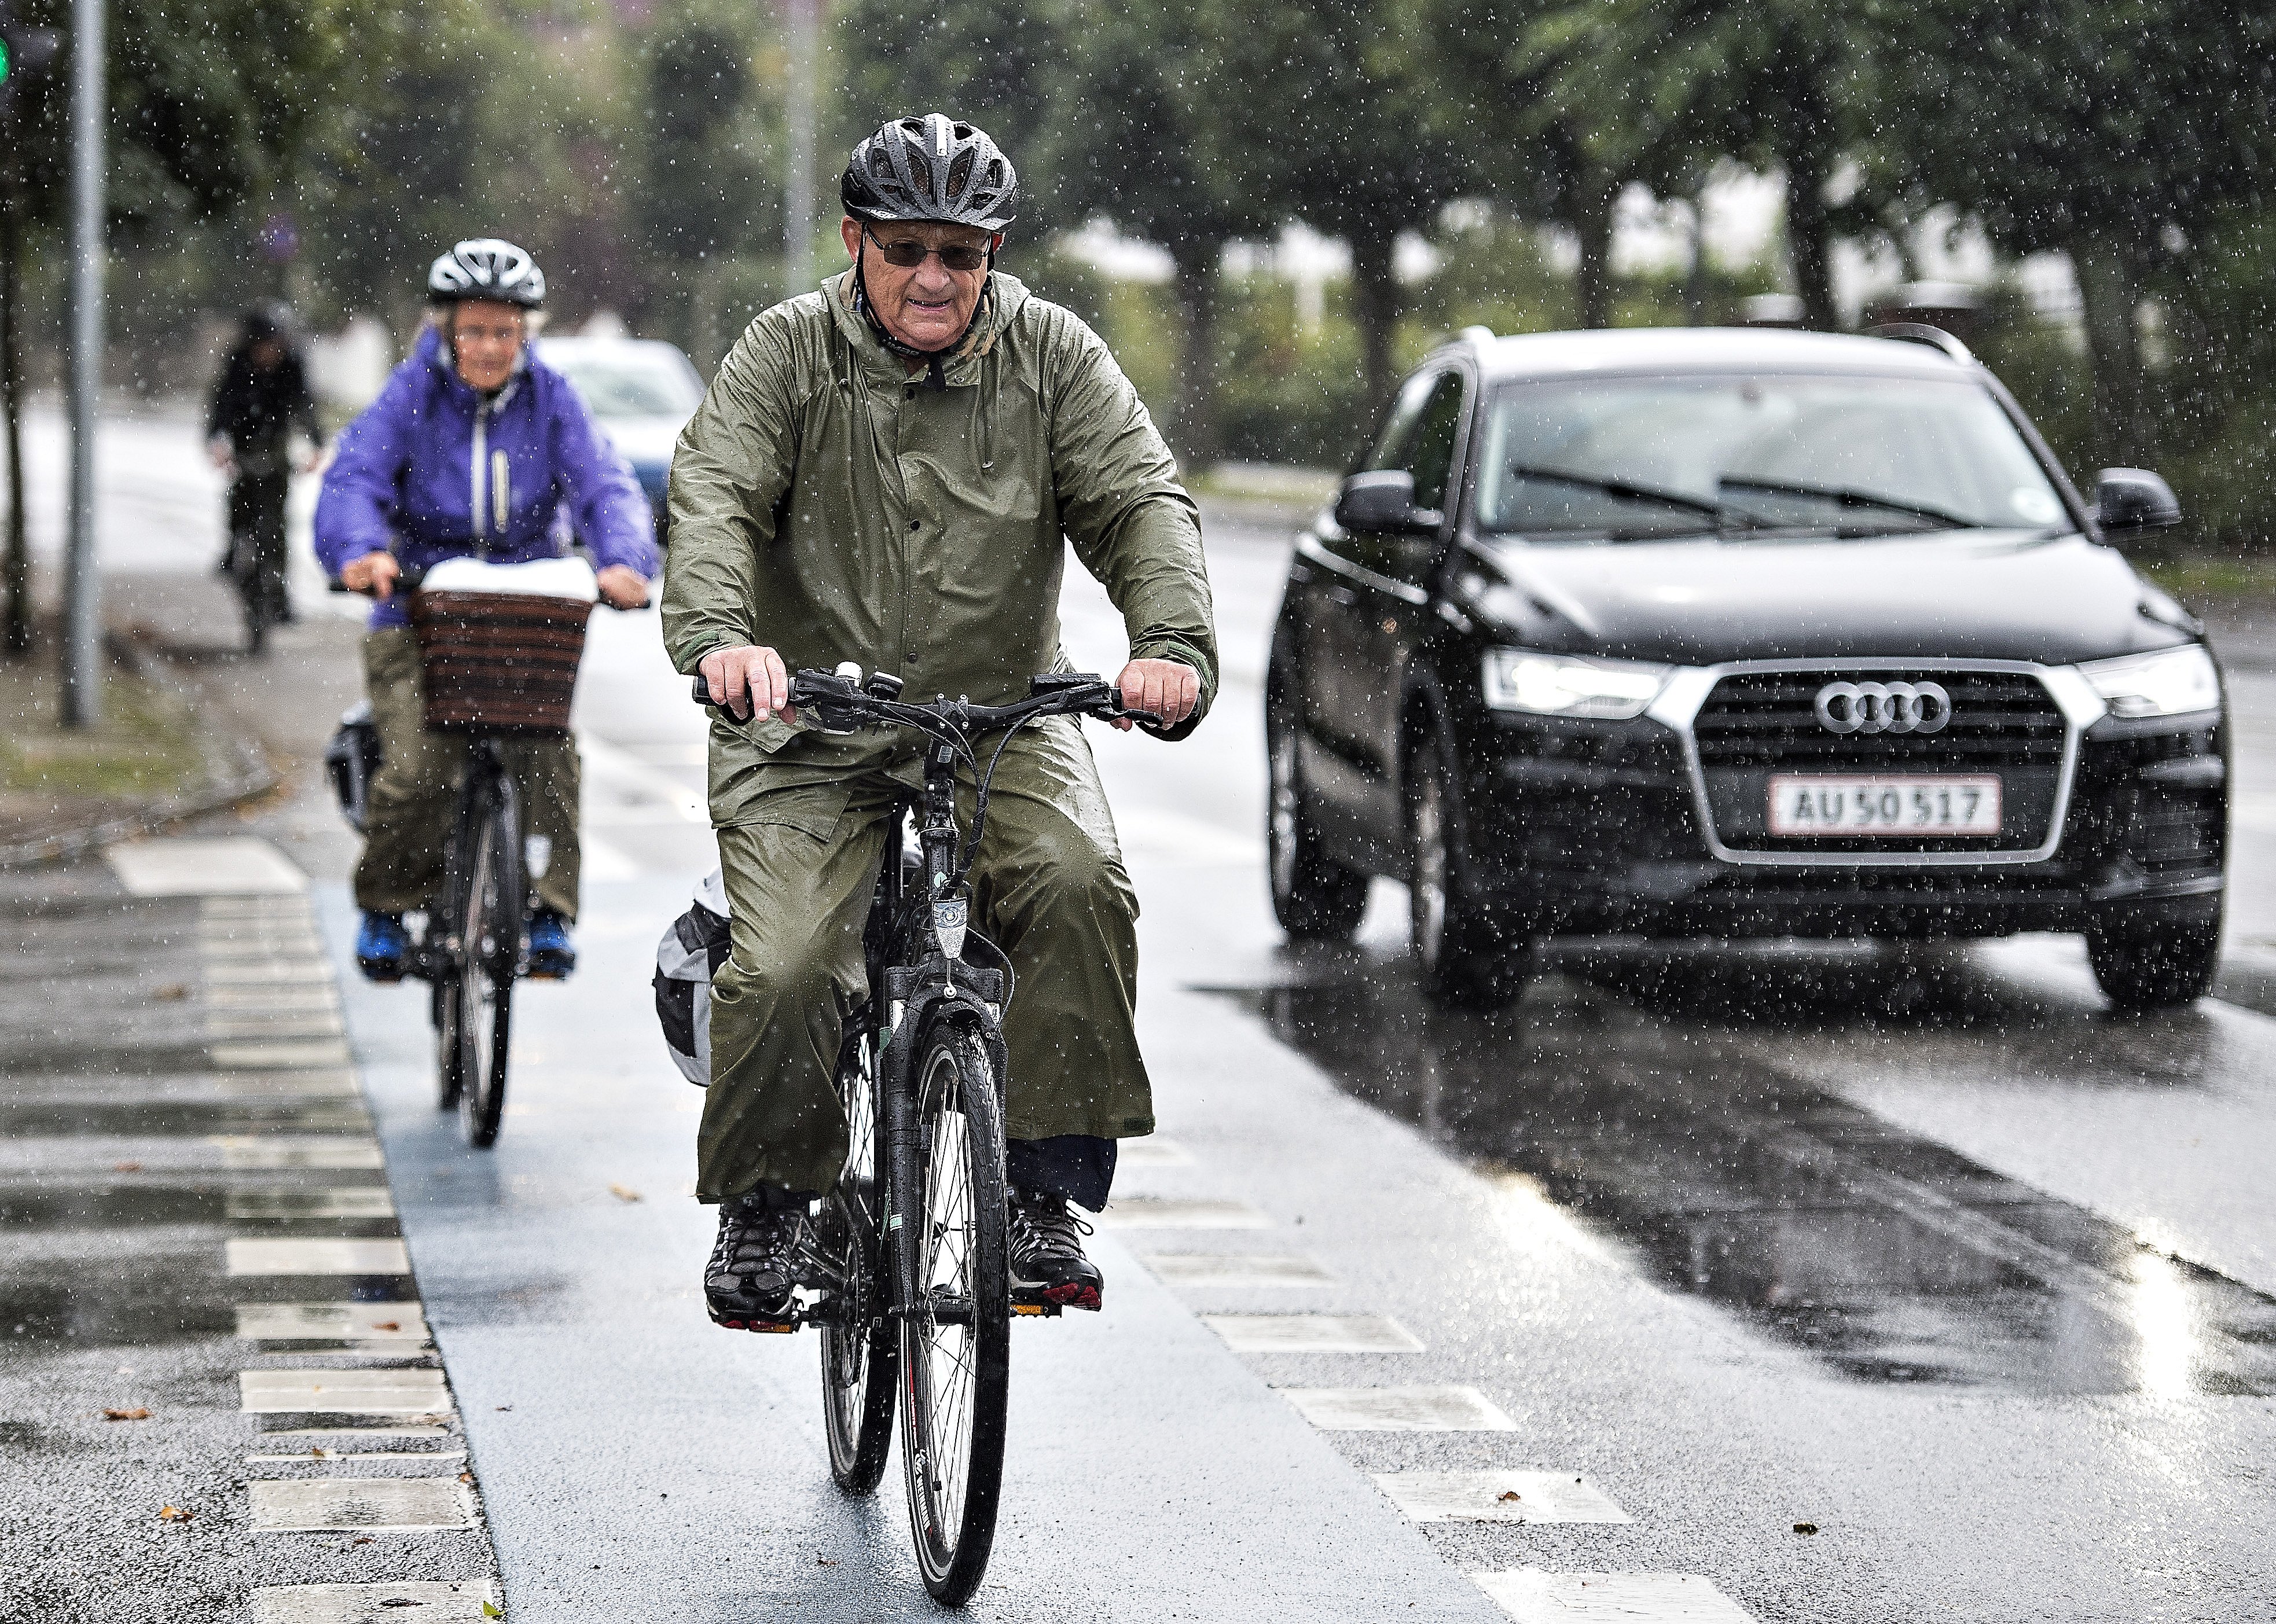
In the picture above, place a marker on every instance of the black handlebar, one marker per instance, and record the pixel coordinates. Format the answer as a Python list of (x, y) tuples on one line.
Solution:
[(843, 704)]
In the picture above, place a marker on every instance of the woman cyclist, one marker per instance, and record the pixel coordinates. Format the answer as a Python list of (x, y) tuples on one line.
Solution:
[(469, 451)]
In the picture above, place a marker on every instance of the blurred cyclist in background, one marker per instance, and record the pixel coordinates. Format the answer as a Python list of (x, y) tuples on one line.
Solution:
[(260, 397), (468, 452)]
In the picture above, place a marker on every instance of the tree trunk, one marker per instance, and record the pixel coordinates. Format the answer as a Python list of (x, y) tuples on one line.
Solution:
[(1808, 231), (1193, 421), (1694, 272), (1375, 303), (2110, 296), (1592, 225), (16, 570)]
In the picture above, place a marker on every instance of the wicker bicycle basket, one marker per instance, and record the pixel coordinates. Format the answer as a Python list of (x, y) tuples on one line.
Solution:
[(498, 662)]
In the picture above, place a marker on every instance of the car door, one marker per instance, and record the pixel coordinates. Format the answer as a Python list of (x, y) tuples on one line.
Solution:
[(1379, 596)]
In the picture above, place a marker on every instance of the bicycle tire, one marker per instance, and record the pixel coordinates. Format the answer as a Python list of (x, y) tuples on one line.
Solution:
[(955, 1378), (861, 1363), (442, 1015), (489, 954)]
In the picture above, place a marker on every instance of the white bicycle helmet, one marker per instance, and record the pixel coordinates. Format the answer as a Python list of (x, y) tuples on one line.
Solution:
[(487, 267)]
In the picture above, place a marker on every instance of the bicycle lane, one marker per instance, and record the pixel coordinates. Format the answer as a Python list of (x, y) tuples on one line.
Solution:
[(637, 1463)]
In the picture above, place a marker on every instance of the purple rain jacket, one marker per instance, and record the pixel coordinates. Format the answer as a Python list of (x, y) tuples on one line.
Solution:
[(430, 471)]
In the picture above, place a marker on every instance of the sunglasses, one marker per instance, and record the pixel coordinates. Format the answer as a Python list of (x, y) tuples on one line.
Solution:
[(909, 254)]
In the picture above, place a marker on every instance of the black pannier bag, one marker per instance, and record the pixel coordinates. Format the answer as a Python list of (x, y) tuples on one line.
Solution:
[(352, 760), (686, 958)]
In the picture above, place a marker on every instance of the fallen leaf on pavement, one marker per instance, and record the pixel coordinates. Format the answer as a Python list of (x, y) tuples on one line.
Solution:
[(623, 1193), (492, 1610), (466, 1477), (825, 1561), (389, 1325), (126, 1167), (173, 992), (137, 1414), (1510, 1494), (364, 1541), (1805, 1528), (174, 1513)]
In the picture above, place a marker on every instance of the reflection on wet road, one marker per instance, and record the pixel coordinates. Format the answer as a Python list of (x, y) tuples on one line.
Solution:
[(1625, 1089)]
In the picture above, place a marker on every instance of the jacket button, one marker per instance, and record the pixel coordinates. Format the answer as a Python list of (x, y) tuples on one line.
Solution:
[(916, 524)]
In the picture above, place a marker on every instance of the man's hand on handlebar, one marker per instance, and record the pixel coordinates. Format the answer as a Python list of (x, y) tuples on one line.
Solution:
[(1165, 688), (748, 681), (623, 586), (375, 573)]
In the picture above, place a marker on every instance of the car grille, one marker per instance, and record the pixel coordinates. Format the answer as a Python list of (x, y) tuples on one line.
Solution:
[(1758, 723)]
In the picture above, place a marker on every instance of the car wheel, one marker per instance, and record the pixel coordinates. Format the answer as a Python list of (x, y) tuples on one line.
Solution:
[(2154, 963), (1314, 897), (1467, 958)]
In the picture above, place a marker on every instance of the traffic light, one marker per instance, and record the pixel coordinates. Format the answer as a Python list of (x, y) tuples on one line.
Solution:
[(24, 52)]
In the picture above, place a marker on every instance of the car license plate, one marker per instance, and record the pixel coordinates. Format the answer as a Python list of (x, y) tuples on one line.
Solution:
[(1821, 805)]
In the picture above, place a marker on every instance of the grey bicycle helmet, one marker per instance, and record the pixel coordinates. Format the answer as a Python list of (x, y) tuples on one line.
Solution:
[(933, 168), (487, 267)]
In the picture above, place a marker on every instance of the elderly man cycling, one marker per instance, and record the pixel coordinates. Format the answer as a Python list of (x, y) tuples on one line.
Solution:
[(889, 471)]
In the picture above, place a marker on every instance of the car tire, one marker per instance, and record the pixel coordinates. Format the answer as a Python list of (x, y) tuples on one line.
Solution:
[(2152, 962), (1467, 958), (1314, 897)]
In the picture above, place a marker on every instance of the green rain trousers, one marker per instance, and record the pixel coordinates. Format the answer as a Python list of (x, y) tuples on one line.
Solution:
[(829, 504), (414, 791), (1048, 887)]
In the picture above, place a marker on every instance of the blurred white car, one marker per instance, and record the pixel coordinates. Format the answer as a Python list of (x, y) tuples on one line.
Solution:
[(640, 391)]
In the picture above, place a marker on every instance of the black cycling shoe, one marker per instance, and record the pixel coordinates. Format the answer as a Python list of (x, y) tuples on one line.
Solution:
[(1046, 1250), (762, 1253)]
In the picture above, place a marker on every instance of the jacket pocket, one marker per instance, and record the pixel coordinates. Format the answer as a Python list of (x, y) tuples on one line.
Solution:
[(810, 809)]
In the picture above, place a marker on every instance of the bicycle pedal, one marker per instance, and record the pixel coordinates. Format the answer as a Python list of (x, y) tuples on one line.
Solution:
[(1026, 1305)]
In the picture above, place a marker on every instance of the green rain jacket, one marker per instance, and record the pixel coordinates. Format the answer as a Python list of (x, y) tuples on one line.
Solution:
[(827, 504)]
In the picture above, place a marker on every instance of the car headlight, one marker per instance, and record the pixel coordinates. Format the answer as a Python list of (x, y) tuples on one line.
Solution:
[(1563, 685), (2169, 683)]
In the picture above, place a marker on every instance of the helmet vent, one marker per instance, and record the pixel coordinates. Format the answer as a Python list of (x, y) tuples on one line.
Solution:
[(921, 168), (960, 172)]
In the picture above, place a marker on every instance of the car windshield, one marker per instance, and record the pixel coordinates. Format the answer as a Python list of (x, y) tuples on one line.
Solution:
[(1630, 458), (628, 383)]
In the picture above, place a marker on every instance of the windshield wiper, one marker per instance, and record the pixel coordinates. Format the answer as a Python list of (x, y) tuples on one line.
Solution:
[(1856, 499), (1629, 492)]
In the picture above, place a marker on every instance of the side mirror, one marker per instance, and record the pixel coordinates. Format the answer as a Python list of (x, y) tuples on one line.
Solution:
[(2133, 499), (1382, 499)]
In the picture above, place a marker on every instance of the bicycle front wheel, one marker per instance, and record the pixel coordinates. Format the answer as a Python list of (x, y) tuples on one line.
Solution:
[(859, 1359), (488, 920), (956, 1336)]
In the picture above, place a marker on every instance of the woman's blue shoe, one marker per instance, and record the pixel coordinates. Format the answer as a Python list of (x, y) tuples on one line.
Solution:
[(552, 955), (382, 946)]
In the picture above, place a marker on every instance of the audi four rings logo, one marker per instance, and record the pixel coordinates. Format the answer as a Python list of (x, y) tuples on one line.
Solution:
[(1884, 707)]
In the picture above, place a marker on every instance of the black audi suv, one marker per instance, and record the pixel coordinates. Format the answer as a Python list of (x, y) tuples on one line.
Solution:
[(1740, 634)]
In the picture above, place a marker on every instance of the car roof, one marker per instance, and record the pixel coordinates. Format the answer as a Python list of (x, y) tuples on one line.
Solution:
[(1705, 349), (596, 344)]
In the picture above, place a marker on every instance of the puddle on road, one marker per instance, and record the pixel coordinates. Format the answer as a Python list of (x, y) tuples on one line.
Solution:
[(1892, 1258)]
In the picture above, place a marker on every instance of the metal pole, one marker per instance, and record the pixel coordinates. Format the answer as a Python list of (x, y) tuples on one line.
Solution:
[(798, 184), (82, 584), (17, 569)]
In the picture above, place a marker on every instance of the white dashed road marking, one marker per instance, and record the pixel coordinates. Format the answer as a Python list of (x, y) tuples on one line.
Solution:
[(375, 1603), (1152, 1152), (1238, 1269), (271, 1057), (1532, 1596), (370, 1202), (1312, 1334), (362, 1505), (310, 1321), (231, 866), (1497, 1497), (318, 1256), (343, 1393), (333, 1152), (1399, 1409), (1152, 1212)]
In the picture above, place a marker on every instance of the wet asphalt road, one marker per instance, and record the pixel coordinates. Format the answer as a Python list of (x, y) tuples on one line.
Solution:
[(1919, 1250)]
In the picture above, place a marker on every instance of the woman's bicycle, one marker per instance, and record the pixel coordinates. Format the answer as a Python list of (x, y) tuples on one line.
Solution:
[(494, 669), (915, 1297)]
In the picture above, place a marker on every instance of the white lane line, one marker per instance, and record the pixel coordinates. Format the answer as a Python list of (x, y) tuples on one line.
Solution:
[(294, 999), (1244, 1269), (361, 1505), (1153, 1213), (331, 1152), (278, 1056), (294, 974), (1532, 1596), (322, 1456), (1399, 1409), (363, 1431), (1497, 1497), (1152, 1152), (290, 1085), (444, 1603), (342, 1392), (236, 865), (308, 1255), (1312, 1334), (366, 1202), (304, 1322), (273, 1024)]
